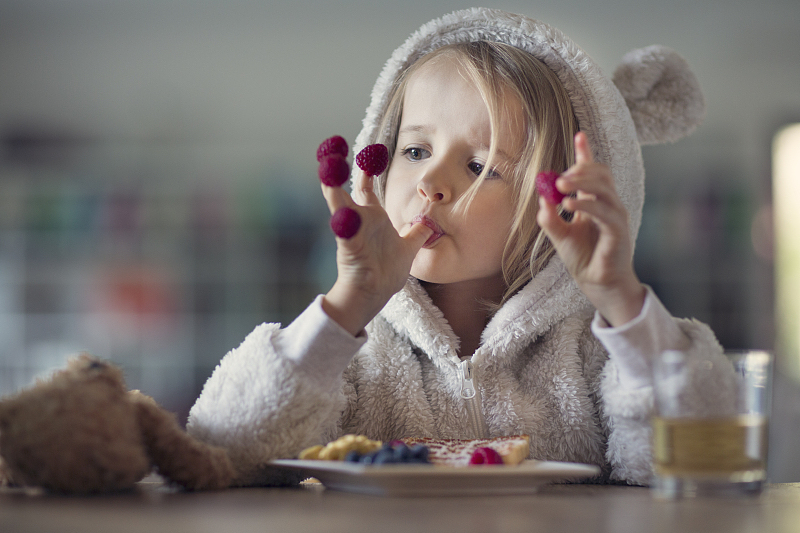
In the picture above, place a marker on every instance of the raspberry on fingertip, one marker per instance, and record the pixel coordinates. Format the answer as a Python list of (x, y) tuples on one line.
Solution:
[(333, 170), (546, 187), (345, 223), (373, 159), (332, 145)]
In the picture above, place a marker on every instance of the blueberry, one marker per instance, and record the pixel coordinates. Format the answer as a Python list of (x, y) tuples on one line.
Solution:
[(383, 457), (352, 456), (401, 453), (368, 458), (420, 451)]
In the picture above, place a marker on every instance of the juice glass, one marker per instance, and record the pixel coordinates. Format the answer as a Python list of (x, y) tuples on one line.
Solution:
[(710, 432)]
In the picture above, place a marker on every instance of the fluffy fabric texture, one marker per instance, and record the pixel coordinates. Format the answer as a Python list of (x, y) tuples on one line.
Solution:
[(539, 369), (662, 93), (259, 406), (82, 432), (540, 372)]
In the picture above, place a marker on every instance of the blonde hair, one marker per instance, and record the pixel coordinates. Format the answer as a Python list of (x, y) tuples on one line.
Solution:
[(548, 125)]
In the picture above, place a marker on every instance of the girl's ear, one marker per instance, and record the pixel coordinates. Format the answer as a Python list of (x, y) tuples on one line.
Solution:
[(662, 93)]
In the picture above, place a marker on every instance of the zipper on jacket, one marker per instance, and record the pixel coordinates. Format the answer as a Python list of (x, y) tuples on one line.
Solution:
[(471, 395)]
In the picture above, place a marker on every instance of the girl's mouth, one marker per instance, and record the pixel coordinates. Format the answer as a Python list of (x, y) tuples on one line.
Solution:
[(437, 230)]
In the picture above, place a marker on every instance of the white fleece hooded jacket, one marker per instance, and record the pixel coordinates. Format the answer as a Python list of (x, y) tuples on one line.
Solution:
[(545, 367)]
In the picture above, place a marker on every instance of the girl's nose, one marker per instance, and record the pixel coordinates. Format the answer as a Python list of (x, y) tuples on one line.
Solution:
[(434, 186)]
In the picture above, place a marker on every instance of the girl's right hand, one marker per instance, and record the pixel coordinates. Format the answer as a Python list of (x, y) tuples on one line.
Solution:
[(373, 264)]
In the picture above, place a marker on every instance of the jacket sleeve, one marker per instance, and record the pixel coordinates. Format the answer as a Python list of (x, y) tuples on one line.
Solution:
[(280, 391), (626, 385)]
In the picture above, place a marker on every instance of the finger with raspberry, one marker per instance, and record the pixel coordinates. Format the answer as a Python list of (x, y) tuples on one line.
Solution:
[(373, 159)]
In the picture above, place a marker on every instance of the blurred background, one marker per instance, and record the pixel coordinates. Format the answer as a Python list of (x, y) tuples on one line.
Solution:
[(158, 189)]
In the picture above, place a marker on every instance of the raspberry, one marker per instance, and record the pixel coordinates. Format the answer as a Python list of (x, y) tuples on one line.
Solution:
[(373, 159), (345, 222), (546, 187), (332, 145), (333, 170), (485, 456)]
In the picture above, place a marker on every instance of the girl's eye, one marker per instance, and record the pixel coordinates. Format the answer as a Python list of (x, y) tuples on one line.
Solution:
[(415, 154), (476, 168)]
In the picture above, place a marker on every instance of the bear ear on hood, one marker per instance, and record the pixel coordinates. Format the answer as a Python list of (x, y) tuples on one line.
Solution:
[(662, 93)]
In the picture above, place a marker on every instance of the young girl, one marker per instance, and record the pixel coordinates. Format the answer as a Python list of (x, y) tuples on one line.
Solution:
[(466, 306)]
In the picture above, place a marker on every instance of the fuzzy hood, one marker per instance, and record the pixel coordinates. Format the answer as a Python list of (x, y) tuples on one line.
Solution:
[(653, 97)]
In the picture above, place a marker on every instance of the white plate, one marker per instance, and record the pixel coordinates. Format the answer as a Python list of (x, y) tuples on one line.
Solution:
[(430, 480)]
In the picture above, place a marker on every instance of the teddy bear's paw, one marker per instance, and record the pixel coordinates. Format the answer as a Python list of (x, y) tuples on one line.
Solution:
[(662, 93)]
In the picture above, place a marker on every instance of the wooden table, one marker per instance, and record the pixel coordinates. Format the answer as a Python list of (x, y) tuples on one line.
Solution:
[(153, 507)]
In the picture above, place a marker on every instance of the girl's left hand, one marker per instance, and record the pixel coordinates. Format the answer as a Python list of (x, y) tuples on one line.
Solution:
[(595, 245)]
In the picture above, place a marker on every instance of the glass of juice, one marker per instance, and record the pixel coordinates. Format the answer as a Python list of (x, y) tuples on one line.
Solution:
[(710, 424)]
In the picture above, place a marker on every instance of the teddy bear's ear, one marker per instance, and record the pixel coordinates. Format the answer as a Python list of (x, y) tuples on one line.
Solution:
[(84, 361), (662, 93)]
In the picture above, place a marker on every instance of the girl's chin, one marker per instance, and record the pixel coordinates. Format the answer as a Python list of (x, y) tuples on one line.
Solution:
[(424, 275), (429, 275)]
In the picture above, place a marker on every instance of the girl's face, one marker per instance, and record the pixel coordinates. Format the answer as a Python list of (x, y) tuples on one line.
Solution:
[(442, 146)]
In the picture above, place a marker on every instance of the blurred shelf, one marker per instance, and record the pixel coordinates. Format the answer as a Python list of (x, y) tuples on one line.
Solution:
[(159, 273)]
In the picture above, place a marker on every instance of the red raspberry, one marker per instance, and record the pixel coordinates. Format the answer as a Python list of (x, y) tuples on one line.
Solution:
[(345, 222), (373, 159), (546, 187), (332, 145), (333, 170), (485, 456)]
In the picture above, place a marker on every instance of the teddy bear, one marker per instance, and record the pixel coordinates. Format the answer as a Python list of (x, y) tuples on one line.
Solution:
[(81, 431)]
